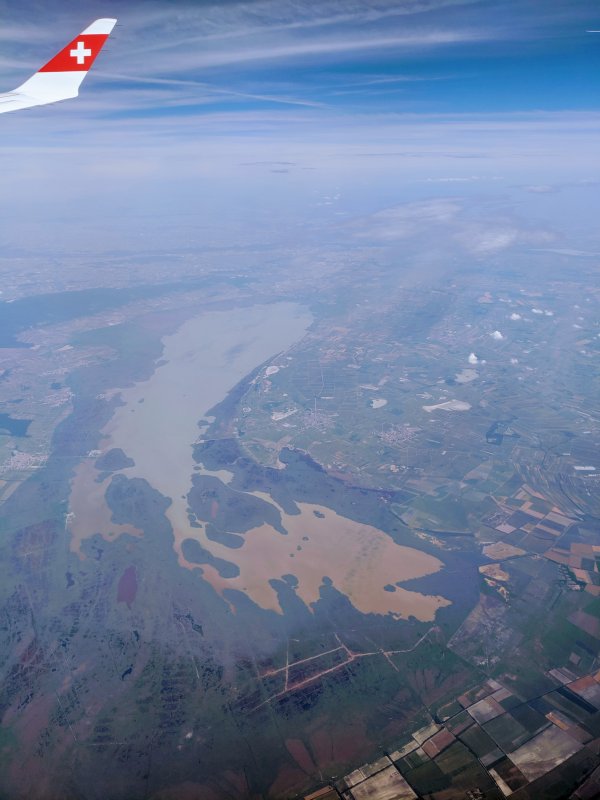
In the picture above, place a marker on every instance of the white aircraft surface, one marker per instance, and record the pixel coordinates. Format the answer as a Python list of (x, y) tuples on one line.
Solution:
[(62, 76)]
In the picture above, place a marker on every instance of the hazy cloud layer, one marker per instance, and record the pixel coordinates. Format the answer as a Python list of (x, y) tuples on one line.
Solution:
[(452, 222)]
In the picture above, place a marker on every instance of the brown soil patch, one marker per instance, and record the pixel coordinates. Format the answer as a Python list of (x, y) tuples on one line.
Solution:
[(186, 791), (288, 783), (128, 586), (502, 550), (344, 745), (586, 622), (297, 749), (494, 571)]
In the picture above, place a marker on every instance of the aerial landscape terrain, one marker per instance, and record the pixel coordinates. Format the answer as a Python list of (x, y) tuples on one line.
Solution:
[(300, 440)]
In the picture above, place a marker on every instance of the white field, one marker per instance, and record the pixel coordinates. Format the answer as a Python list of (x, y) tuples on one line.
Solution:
[(449, 405)]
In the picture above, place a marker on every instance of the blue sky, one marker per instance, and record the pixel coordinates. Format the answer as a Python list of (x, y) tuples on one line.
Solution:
[(404, 56), (249, 108)]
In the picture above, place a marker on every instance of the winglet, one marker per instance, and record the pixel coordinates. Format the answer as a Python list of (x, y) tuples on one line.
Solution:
[(62, 76), (103, 26)]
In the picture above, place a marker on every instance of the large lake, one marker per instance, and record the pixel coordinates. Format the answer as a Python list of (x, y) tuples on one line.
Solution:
[(158, 422), (157, 425), (200, 364)]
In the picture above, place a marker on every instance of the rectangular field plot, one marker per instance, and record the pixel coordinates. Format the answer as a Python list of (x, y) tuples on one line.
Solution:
[(545, 752)]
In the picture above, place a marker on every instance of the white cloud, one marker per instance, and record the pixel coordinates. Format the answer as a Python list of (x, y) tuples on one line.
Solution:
[(515, 316), (484, 241), (540, 189), (489, 237), (537, 311), (458, 179), (497, 336), (473, 359), (400, 222)]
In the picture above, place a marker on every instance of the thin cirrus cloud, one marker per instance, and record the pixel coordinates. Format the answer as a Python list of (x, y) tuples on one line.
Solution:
[(215, 21), (211, 91), (323, 46)]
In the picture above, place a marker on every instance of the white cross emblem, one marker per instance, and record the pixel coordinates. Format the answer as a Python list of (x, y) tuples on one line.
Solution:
[(81, 52)]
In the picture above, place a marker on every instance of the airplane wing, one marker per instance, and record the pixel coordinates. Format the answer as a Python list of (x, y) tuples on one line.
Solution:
[(62, 76)]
